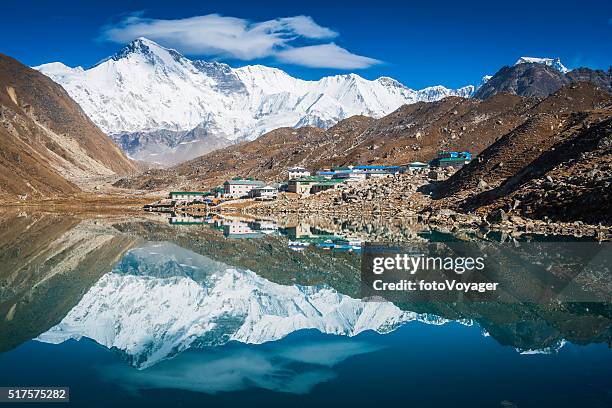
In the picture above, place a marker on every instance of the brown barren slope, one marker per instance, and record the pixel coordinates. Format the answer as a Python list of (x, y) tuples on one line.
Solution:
[(47, 143), (558, 164)]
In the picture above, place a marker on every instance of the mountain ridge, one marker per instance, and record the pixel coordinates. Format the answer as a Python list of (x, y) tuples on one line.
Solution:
[(159, 89), (551, 62)]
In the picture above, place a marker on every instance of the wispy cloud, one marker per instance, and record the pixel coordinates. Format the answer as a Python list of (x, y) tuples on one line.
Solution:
[(231, 37), (325, 56)]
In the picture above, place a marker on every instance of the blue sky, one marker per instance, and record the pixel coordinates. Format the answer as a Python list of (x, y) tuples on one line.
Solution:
[(418, 43)]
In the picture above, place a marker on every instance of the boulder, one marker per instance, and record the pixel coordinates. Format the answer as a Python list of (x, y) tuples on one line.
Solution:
[(482, 185), (497, 216)]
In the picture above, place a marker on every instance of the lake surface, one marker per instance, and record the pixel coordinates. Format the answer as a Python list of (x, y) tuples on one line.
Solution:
[(211, 311)]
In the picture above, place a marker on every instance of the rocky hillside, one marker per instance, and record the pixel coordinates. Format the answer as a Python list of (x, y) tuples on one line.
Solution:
[(413, 132), (597, 77), (557, 164), (540, 80), (48, 146)]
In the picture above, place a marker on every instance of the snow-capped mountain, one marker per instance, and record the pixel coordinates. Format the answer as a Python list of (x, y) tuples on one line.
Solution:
[(162, 299), (551, 62), (147, 88)]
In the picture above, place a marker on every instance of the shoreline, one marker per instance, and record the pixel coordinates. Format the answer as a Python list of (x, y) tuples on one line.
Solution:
[(82, 204), (444, 220), (410, 203), (409, 198)]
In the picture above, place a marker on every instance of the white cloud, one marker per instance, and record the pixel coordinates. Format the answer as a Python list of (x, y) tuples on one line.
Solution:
[(221, 36), (303, 26), (325, 56)]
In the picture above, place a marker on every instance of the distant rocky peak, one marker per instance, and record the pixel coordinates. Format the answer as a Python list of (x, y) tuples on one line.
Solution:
[(551, 62), (529, 79)]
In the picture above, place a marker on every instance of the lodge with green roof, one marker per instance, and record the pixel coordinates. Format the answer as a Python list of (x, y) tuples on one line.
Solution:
[(451, 159), (306, 185)]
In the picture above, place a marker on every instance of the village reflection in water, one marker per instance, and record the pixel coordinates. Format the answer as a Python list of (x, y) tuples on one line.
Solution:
[(301, 234)]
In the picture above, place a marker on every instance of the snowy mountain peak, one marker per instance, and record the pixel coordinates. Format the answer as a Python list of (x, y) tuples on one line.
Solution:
[(146, 88), (58, 70), (149, 50), (140, 45), (551, 62), (484, 80)]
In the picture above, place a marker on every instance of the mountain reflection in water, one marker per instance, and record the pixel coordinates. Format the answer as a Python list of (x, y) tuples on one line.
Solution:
[(214, 304), (162, 299)]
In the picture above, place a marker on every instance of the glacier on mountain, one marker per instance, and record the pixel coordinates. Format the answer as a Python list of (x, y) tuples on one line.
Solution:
[(146, 88)]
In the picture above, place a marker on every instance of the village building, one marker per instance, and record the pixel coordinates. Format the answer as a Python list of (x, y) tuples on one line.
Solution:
[(303, 185), (415, 166), (328, 174), (324, 185), (297, 172), (350, 175), (297, 246), (239, 229), (452, 159), (185, 220), (453, 162), (378, 174), (359, 173), (263, 193), (240, 188), (187, 195), (378, 169), (264, 226), (217, 192)]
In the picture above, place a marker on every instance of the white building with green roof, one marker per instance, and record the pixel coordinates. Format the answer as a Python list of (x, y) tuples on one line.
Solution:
[(240, 188)]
